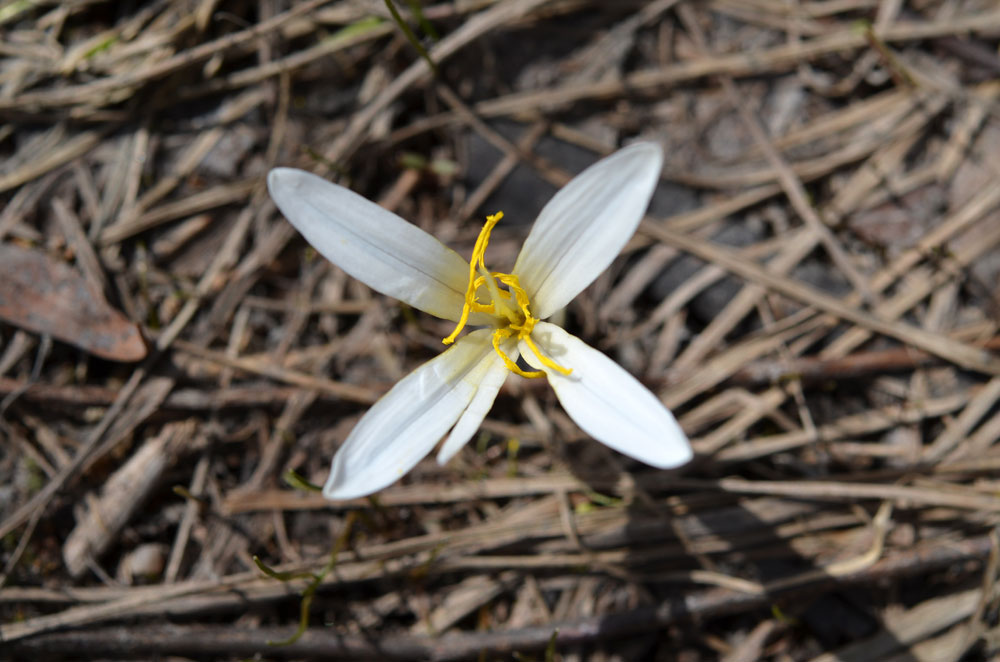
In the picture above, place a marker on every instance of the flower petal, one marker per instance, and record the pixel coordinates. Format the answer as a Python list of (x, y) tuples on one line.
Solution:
[(372, 244), (403, 426), (607, 402), (585, 225), (494, 376)]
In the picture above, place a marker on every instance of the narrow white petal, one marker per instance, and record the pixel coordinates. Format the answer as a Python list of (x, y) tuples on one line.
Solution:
[(372, 244), (607, 402), (493, 376), (585, 225), (403, 426)]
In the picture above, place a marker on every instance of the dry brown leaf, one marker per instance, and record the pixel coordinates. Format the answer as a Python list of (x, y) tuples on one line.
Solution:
[(43, 295)]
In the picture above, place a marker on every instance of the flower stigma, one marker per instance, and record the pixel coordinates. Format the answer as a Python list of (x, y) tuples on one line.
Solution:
[(510, 307)]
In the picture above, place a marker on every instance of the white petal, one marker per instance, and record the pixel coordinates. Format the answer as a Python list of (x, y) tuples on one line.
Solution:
[(607, 402), (372, 244), (585, 225), (494, 375), (403, 426)]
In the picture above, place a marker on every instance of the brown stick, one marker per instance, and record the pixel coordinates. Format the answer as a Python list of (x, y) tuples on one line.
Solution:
[(215, 641), (858, 364)]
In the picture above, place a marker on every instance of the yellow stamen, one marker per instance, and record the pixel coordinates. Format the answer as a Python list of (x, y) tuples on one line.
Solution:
[(546, 361), (519, 321), (499, 298), (498, 336), (511, 281), (478, 253)]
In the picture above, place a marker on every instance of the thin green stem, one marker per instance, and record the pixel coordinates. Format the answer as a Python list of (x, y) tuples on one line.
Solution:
[(410, 36)]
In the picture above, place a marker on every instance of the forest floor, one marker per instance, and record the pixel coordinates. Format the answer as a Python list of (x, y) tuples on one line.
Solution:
[(813, 292)]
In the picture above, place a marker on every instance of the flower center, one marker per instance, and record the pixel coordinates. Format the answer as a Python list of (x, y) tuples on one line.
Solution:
[(510, 306)]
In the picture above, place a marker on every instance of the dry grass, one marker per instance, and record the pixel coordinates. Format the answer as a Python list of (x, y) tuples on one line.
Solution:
[(814, 293)]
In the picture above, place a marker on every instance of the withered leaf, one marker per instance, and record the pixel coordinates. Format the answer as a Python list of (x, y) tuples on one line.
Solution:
[(44, 295)]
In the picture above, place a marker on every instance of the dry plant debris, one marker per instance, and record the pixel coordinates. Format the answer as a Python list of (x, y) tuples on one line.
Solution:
[(813, 292)]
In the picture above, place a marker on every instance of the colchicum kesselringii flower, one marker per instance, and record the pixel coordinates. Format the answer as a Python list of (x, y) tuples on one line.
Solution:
[(576, 236)]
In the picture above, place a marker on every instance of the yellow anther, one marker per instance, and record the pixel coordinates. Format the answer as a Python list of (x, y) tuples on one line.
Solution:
[(511, 281), (516, 322), (478, 258), (546, 361), (461, 325), (498, 336)]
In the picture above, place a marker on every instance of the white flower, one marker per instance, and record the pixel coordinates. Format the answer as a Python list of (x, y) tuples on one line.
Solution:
[(577, 235)]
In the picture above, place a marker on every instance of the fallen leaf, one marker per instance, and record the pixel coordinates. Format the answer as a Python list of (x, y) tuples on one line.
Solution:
[(44, 295)]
